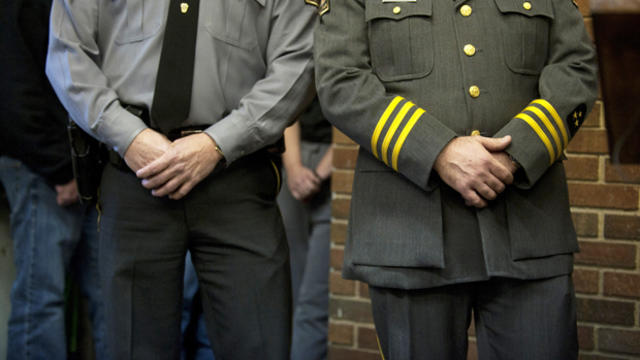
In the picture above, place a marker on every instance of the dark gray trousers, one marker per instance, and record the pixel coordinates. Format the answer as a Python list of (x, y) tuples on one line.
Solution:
[(232, 227), (514, 319)]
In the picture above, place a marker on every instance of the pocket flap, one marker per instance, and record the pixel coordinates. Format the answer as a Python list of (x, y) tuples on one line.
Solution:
[(396, 10), (528, 8)]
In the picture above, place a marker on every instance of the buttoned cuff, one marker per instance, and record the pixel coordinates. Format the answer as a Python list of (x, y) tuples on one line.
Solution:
[(117, 128)]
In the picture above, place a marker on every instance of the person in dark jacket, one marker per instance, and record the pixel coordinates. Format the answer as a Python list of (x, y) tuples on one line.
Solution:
[(49, 226)]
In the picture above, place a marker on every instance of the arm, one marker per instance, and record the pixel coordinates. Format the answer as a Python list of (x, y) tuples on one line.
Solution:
[(82, 87), (357, 103), (273, 101), (302, 181), (324, 167), (567, 88)]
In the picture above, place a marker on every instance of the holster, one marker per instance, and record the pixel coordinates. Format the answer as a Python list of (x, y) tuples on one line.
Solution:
[(88, 158)]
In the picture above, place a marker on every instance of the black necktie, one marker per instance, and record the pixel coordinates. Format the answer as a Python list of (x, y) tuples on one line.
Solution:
[(172, 96)]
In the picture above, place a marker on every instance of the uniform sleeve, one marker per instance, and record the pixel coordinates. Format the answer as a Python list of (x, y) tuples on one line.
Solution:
[(397, 131), (83, 89), (567, 87), (273, 101)]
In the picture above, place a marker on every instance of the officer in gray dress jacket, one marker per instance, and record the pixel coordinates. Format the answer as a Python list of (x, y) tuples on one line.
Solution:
[(160, 195), (462, 110)]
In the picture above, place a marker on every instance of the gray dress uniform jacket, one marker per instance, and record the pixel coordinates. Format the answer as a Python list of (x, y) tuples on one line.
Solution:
[(403, 78)]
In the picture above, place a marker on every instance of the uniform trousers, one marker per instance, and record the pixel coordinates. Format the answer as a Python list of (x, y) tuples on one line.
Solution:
[(231, 225), (195, 341), (514, 319)]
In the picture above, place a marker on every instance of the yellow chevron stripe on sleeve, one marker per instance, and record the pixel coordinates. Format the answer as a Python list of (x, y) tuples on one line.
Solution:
[(392, 130), (381, 123), (545, 104), (552, 130), (403, 136), (534, 125)]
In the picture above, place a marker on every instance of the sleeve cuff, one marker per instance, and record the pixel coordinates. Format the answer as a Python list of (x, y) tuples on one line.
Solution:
[(408, 139), (538, 139), (118, 128), (232, 138)]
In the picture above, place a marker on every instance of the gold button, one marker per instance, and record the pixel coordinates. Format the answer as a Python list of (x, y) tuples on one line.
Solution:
[(396, 10), (469, 49), (465, 10), (526, 5), (475, 133), (474, 91)]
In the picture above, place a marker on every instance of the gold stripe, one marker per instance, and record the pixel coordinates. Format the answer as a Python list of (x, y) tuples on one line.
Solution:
[(381, 122), (534, 125), (311, 2), (277, 171), (544, 103), (392, 129), (380, 347), (403, 136), (549, 125)]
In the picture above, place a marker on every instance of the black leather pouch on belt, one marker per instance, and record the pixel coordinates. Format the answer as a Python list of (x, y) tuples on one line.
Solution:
[(88, 157)]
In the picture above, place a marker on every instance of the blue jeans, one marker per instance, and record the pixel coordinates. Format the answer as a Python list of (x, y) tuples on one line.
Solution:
[(46, 237), (195, 343)]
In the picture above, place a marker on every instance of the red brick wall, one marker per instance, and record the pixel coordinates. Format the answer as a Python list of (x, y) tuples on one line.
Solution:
[(604, 201)]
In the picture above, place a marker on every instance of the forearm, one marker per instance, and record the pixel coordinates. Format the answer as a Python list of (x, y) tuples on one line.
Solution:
[(292, 158), (274, 100)]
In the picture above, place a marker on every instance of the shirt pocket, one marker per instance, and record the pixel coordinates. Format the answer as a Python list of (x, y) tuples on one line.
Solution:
[(142, 19), (400, 38), (228, 21), (525, 34)]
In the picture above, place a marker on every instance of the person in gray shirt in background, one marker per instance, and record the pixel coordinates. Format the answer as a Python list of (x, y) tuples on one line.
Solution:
[(206, 180)]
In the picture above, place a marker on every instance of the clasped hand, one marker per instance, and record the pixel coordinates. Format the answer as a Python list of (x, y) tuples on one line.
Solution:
[(171, 168), (477, 167)]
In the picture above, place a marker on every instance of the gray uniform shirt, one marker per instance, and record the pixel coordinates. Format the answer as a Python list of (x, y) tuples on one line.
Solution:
[(252, 69)]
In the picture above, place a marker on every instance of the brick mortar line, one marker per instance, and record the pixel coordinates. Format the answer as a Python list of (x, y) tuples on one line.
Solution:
[(339, 197), (351, 298), (620, 271), (581, 155), (344, 146), (601, 225), (601, 353), (600, 326), (607, 209), (339, 346), (591, 182), (602, 174), (608, 297), (610, 241)]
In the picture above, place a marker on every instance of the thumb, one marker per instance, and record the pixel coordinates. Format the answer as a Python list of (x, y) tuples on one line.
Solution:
[(495, 144)]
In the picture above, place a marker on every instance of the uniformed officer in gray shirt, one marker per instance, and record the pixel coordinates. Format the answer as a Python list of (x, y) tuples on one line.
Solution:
[(462, 109), (160, 194)]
